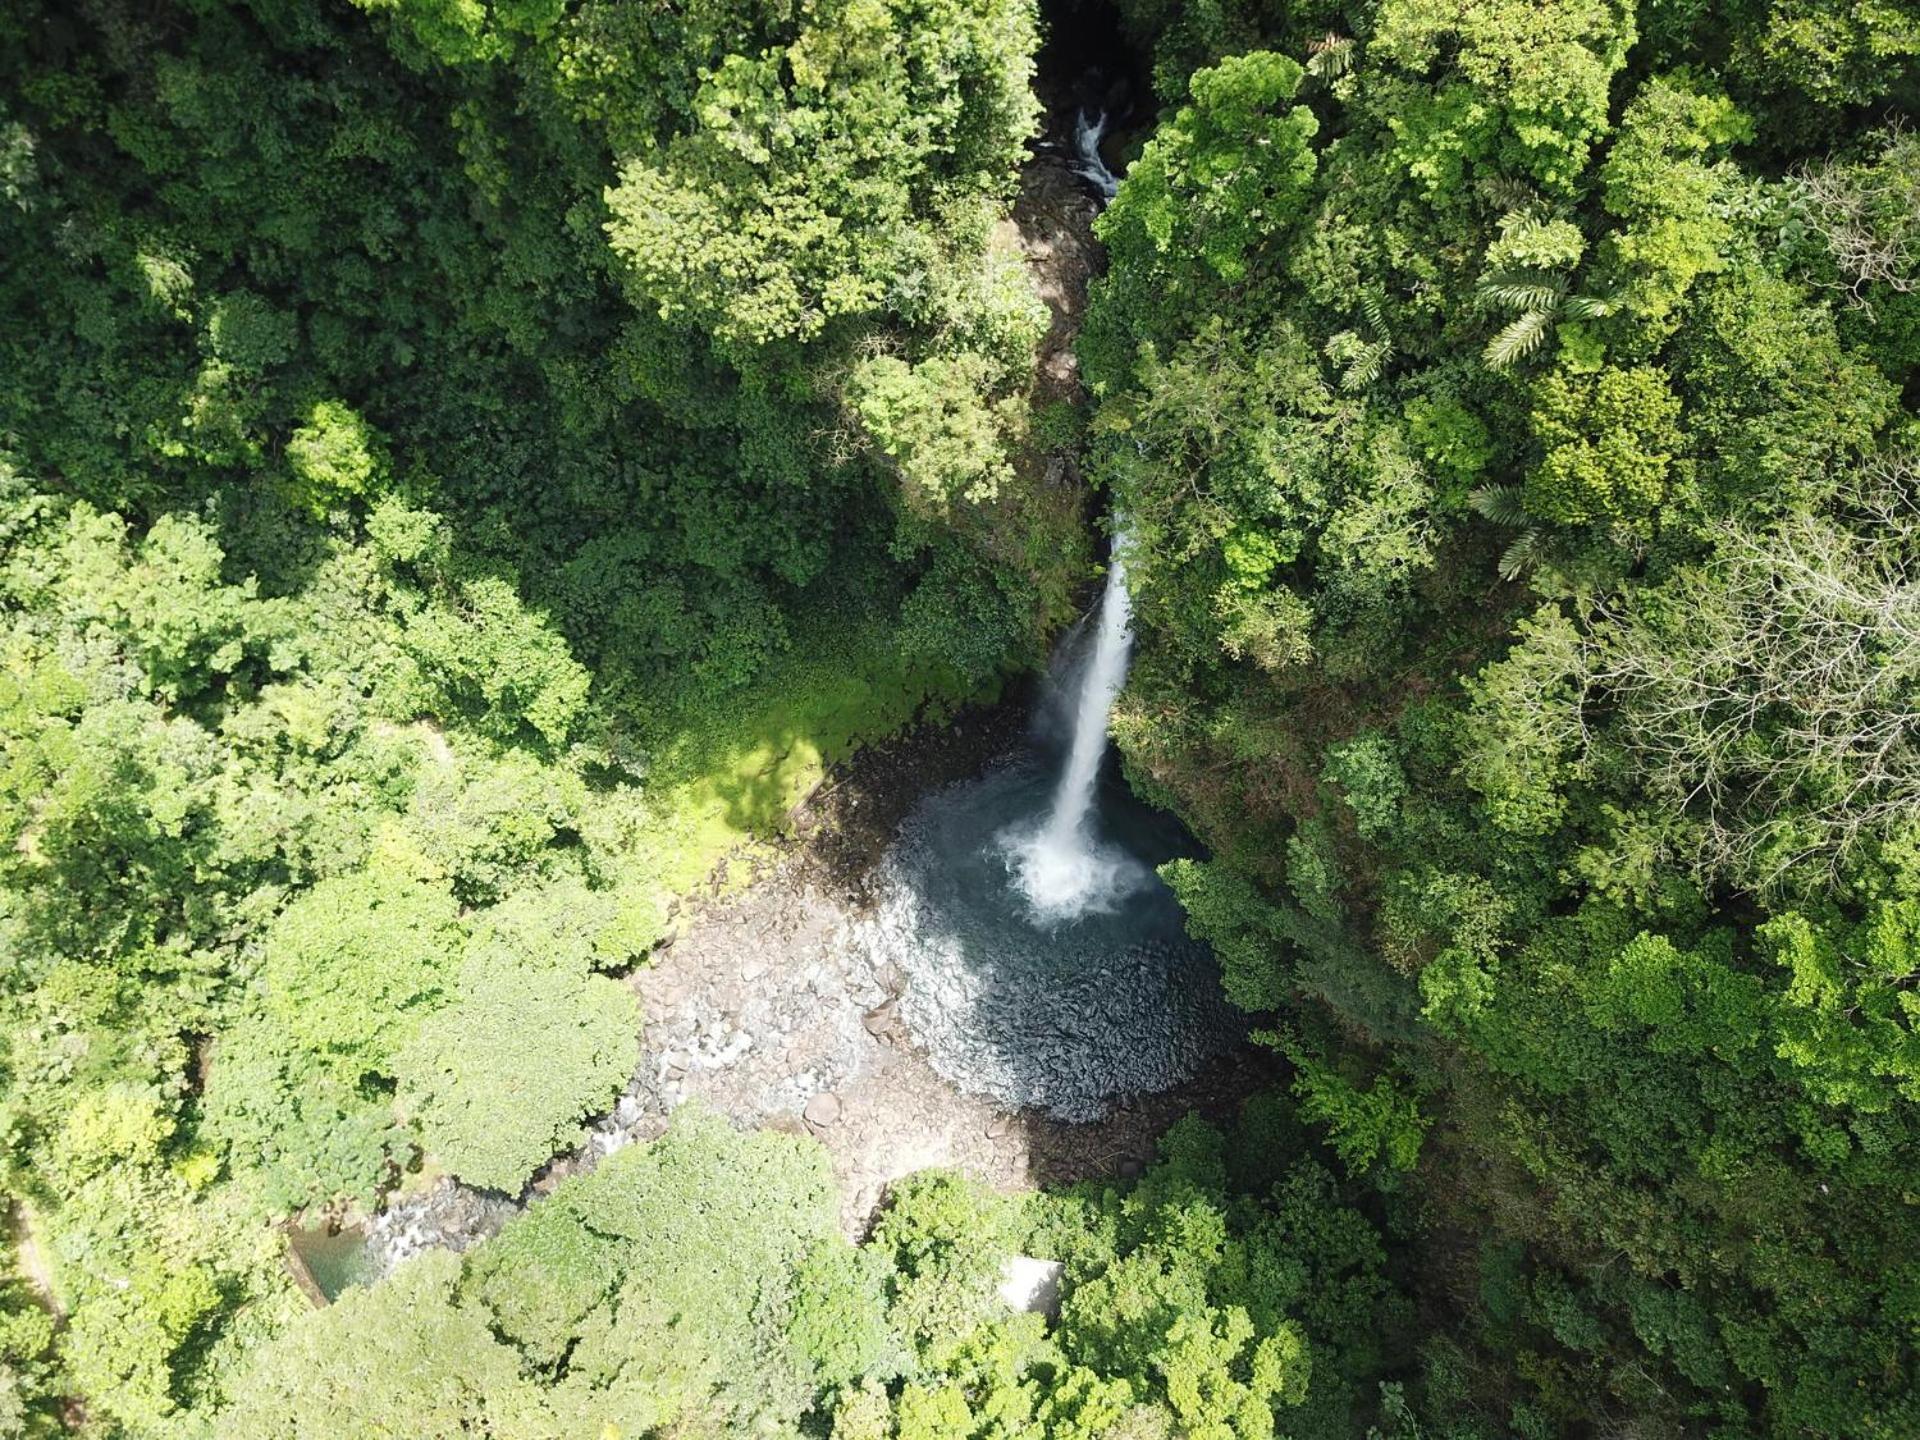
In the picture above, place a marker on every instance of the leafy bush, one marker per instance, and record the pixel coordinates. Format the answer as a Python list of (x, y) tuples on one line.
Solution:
[(500, 1077)]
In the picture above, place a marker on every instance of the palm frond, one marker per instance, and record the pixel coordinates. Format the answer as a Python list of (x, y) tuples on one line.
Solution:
[(1503, 505), (1514, 291), (1375, 312), (1527, 551), (1591, 307), (1517, 340), (1524, 223), (1500, 504), (1330, 57), (1366, 366), (1514, 197)]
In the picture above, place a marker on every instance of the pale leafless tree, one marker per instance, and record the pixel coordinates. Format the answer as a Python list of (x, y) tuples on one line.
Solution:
[(1869, 215), (1773, 692)]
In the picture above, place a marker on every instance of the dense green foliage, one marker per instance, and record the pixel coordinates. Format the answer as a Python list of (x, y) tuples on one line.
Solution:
[(466, 467), (1523, 492), (437, 469), (701, 1285)]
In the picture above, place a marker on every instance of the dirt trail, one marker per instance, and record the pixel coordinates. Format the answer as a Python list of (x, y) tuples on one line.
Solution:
[(32, 1260)]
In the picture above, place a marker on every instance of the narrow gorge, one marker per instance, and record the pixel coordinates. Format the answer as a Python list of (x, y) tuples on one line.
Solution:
[(989, 976)]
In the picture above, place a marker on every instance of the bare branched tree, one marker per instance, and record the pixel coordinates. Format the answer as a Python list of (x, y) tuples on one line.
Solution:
[(1869, 215), (1774, 694)]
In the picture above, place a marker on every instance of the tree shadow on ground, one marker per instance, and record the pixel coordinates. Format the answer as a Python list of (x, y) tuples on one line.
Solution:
[(1121, 1144)]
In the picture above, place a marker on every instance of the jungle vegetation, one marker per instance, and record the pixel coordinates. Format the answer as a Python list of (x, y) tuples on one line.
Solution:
[(467, 465)]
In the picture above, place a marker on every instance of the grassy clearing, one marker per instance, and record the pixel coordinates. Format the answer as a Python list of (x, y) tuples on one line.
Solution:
[(730, 768)]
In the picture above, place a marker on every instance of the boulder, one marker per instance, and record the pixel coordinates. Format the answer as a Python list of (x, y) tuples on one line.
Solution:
[(1031, 1285), (823, 1109)]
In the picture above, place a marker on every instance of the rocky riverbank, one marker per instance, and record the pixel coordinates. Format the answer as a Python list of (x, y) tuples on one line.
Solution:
[(772, 1007)]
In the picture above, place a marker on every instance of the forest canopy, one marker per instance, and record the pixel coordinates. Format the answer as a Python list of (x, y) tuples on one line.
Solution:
[(467, 468)]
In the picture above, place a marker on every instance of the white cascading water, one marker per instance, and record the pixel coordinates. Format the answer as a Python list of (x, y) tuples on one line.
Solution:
[(1062, 868), (1060, 865), (1089, 129), (1106, 673)]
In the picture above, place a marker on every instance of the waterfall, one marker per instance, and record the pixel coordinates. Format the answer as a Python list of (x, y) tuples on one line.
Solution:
[(1060, 864), (1107, 669), (1106, 672), (1089, 128)]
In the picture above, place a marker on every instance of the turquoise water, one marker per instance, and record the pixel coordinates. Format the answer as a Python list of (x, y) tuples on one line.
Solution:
[(335, 1261)]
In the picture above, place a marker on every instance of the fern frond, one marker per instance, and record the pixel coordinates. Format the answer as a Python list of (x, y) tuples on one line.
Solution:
[(1517, 340), (1500, 504)]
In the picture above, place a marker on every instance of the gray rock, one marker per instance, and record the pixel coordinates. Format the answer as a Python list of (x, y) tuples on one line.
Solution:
[(823, 1109)]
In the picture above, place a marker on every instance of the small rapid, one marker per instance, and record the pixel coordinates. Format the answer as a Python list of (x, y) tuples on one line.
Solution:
[(1089, 129)]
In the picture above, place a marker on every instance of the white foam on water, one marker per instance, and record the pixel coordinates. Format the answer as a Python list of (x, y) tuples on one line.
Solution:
[(1089, 128), (1061, 868)]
